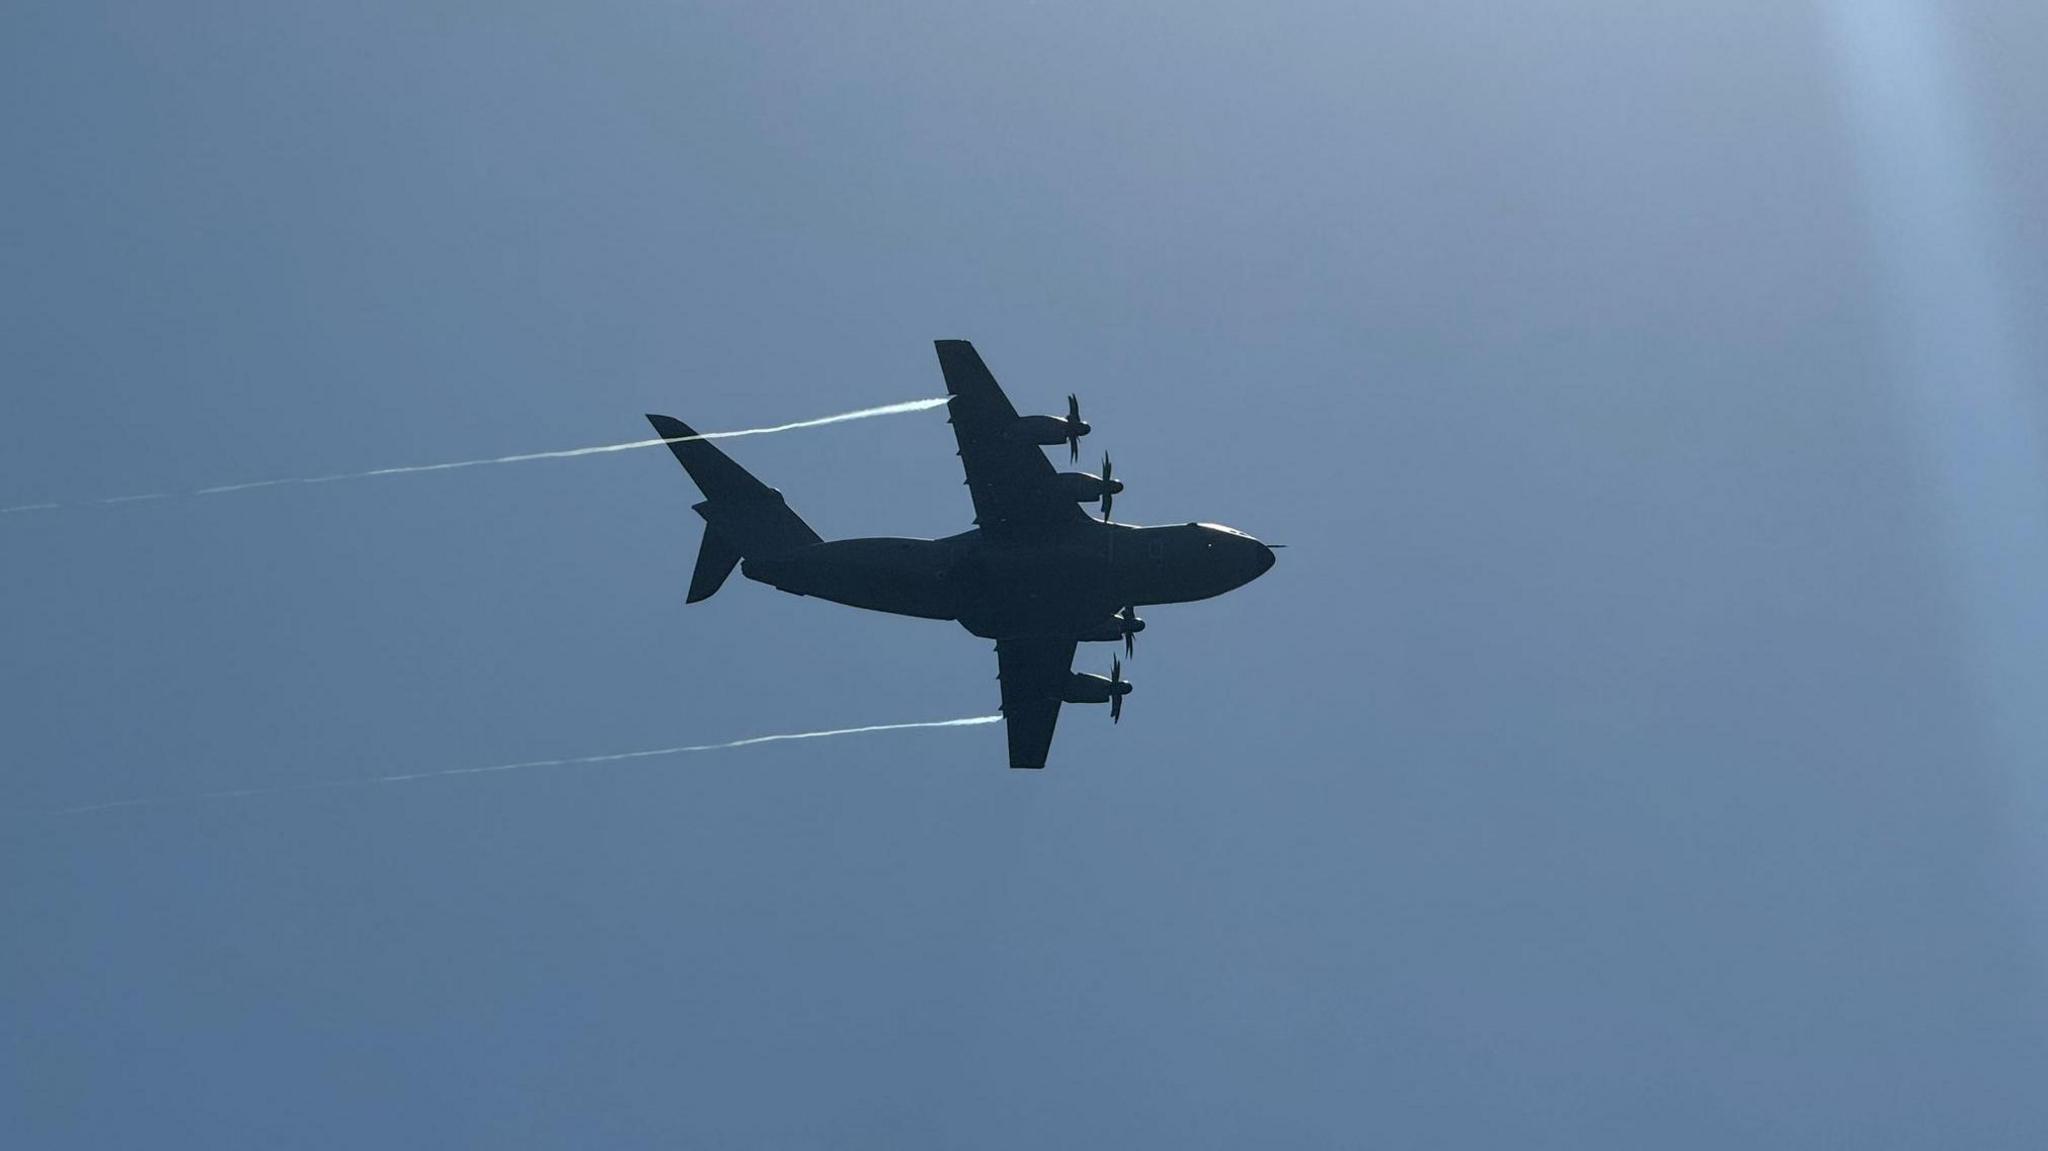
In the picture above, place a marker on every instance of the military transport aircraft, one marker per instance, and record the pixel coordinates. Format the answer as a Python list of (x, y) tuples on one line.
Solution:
[(1037, 574)]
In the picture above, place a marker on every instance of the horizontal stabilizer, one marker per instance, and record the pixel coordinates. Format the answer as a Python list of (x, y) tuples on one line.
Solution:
[(743, 517), (715, 473)]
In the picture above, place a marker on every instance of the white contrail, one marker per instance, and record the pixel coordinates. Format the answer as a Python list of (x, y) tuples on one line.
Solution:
[(577, 761), (571, 453)]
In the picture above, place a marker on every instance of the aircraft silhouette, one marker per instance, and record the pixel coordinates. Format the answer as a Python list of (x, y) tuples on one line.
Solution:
[(1036, 574)]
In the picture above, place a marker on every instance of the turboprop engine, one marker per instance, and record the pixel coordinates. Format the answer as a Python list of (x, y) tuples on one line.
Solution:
[(1110, 689), (1087, 487), (1049, 430), (1121, 626)]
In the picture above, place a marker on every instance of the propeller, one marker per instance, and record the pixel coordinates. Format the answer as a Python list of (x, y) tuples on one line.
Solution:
[(1108, 489), (1116, 698), (1073, 427), (1126, 617)]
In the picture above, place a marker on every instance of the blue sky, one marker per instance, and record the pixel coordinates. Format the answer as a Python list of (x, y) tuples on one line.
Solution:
[(1633, 748)]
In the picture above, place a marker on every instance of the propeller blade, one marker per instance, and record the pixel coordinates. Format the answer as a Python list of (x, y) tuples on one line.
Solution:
[(1073, 424), (1116, 709), (1108, 492), (1129, 613)]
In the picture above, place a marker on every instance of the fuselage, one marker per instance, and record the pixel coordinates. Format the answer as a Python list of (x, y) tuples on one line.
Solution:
[(1061, 585)]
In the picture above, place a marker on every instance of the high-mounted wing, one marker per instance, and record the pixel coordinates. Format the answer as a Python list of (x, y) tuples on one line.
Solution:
[(1033, 671), (1009, 477)]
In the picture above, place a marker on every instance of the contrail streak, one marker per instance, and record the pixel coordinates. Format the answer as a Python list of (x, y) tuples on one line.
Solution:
[(570, 453), (577, 761)]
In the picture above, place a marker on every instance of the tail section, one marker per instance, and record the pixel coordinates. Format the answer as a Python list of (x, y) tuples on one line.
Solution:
[(715, 561), (742, 516)]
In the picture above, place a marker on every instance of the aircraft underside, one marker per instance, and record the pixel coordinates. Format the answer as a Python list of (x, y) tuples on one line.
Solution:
[(992, 591), (1037, 575)]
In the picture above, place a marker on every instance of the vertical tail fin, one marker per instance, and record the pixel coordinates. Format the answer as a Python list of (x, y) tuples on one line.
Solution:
[(743, 516), (715, 561)]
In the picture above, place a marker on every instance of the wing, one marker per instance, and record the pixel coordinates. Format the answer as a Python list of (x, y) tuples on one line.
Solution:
[(1010, 478), (1032, 671)]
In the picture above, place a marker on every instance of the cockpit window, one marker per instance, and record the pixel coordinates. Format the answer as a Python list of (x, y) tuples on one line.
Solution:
[(1223, 529)]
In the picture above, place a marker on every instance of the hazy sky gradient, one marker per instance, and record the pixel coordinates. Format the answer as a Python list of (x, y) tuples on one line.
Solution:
[(1635, 747)]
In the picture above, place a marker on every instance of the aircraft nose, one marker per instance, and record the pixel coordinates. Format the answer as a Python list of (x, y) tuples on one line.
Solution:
[(1265, 560)]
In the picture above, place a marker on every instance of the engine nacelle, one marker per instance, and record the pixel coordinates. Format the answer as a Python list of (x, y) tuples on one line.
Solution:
[(1048, 430), (1084, 688), (1085, 487), (1114, 630)]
